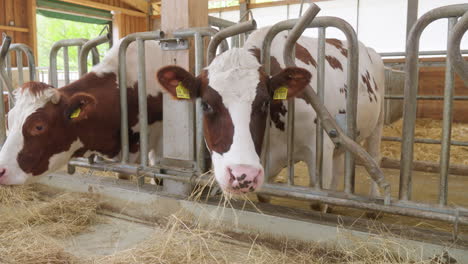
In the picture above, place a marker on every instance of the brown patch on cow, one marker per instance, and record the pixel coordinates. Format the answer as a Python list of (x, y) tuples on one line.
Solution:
[(256, 52), (35, 88), (217, 125), (303, 55), (334, 62), (366, 80), (99, 131), (338, 45), (344, 90), (259, 111)]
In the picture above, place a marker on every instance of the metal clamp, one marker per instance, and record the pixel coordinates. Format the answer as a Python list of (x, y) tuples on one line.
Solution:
[(174, 44)]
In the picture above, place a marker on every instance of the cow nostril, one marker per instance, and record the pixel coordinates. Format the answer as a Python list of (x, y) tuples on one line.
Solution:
[(2, 172)]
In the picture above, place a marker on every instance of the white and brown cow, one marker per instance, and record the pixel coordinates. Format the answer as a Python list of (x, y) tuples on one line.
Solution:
[(48, 126), (236, 94)]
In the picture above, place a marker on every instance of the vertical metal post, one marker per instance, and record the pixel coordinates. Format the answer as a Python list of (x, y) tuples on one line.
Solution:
[(290, 140), (2, 116), (11, 101), (199, 139), (447, 121), (142, 106), (411, 15), (321, 95), (66, 65), (19, 67)]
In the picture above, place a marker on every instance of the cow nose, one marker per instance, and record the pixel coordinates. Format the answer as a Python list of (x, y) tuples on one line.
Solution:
[(244, 178), (2, 172)]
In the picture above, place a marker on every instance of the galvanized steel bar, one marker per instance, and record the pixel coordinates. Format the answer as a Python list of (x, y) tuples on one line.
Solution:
[(447, 122), (222, 24), (459, 64), (142, 106), (19, 67), (86, 48), (321, 94), (66, 65), (226, 33), (152, 35), (411, 89), (18, 47), (289, 57), (427, 141), (53, 78), (426, 97), (3, 65), (421, 53)]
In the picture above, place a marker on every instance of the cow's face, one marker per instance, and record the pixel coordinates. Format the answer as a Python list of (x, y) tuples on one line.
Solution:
[(40, 132), (235, 94)]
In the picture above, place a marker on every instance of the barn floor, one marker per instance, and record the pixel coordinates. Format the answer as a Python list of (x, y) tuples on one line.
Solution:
[(41, 225)]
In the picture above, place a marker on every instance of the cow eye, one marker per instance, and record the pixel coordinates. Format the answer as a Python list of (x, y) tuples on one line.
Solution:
[(265, 106), (206, 107), (39, 128)]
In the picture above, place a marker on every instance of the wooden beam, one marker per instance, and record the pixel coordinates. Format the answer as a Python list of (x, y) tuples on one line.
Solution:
[(141, 5), (17, 29), (253, 5), (106, 7)]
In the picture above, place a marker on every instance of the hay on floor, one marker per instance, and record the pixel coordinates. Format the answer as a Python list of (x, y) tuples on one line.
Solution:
[(427, 128)]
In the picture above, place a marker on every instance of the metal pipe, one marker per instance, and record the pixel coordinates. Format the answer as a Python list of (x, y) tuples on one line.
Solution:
[(411, 90), (289, 58), (86, 48), (421, 53), (226, 33), (459, 64), (18, 47), (142, 106), (447, 122), (4, 64), (19, 67), (53, 79), (222, 24), (203, 32), (152, 35), (66, 65), (427, 141), (426, 97), (321, 94)]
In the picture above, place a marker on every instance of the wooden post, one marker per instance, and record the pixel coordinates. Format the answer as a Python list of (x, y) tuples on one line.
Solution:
[(179, 118)]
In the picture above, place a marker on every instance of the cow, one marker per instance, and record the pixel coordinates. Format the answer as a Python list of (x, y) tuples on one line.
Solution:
[(236, 93), (48, 126)]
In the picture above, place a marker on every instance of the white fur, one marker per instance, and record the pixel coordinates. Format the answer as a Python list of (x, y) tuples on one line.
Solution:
[(234, 75)]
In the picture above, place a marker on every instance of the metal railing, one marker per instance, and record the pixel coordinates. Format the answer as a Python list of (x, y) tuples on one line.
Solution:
[(86, 48), (410, 101), (66, 44), (348, 198), (6, 76)]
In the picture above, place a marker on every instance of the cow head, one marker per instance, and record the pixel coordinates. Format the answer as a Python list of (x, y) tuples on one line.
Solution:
[(42, 131), (235, 95)]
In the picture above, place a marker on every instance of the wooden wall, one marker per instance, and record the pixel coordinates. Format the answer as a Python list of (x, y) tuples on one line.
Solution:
[(431, 82), (23, 14)]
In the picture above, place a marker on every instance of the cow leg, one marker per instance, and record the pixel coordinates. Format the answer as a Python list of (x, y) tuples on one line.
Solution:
[(372, 145)]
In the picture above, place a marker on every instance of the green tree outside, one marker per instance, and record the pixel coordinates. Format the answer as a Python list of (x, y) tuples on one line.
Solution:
[(51, 30)]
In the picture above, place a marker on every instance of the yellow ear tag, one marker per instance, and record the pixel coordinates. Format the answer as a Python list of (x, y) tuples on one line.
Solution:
[(182, 92), (75, 113), (281, 93)]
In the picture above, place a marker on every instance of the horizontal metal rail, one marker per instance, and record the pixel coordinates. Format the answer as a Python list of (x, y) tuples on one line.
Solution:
[(446, 214), (427, 141), (222, 24), (426, 97), (421, 53)]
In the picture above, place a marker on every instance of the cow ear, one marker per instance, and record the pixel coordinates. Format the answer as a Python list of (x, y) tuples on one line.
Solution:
[(289, 83), (180, 83), (81, 106)]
